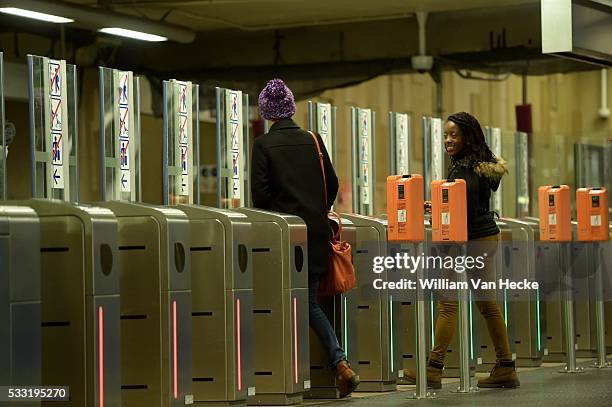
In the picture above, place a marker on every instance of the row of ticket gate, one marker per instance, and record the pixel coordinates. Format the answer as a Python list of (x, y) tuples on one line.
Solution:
[(142, 305)]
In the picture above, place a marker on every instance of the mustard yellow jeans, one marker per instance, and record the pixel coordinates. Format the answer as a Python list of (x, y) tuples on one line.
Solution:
[(447, 311)]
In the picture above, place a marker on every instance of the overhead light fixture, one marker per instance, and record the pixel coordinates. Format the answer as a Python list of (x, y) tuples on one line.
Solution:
[(50, 18), (138, 35), (95, 18)]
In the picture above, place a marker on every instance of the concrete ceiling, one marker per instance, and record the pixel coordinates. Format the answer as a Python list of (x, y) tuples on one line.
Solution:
[(252, 15)]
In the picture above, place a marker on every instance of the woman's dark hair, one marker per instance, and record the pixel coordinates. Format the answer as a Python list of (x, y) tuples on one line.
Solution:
[(476, 147)]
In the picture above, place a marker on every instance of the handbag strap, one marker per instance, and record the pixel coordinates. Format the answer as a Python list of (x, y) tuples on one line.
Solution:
[(316, 140)]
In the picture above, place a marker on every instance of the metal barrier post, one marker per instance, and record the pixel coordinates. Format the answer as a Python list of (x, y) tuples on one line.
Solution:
[(421, 339), (602, 361), (465, 382), (568, 311)]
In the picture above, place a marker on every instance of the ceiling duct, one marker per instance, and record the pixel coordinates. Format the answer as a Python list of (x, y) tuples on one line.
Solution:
[(578, 29), (422, 62)]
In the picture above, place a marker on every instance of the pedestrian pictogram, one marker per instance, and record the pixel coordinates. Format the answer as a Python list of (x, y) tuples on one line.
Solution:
[(124, 157), (324, 125), (183, 99), (56, 149), (235, 133), (56, 114), (235, 164), (364, 122), (124, 130), (55, 82), (183, 136), (184, 159), (364, 150), (124, 88), (234, 106)]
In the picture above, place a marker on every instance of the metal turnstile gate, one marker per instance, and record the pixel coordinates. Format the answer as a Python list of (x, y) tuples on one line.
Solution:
[(280, 307), (608, 303), (547, 258), (20, 307), (222, 298), (78, 249), (377, 356), (155, 279), (219, 249), (322, 377), (522, 312), (584, 284), (405, 311), (154, 261), (80, 301)]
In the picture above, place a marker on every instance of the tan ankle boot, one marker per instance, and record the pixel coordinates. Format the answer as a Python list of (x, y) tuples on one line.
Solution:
[(346, 379), (502, 375), (434, 375)]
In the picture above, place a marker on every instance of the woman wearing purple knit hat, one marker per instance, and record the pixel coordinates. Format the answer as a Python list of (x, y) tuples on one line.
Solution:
[(286, 177)]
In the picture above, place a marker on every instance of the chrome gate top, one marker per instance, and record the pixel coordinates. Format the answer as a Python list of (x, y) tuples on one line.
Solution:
[(322, 120), (52, 87), (233, 165), (119, 135), (181, 143), (399, 143), (433, 152), (363, 174)]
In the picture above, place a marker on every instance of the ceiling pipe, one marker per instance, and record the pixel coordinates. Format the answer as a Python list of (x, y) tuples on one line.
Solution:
[(422, 22), (604, 111), (422, 63), (181, 3), (263, 27)]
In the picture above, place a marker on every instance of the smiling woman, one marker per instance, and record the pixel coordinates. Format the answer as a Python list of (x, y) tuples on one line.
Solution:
[(473, 161), (453, 138)]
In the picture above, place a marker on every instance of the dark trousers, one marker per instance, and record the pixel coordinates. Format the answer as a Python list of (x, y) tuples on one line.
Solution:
[(321, 325)]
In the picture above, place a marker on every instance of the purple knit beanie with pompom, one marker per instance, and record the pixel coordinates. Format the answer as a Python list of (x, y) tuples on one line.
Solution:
[(276, 101)]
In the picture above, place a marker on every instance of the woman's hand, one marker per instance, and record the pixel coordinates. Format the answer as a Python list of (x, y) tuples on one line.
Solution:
[(427, 206)]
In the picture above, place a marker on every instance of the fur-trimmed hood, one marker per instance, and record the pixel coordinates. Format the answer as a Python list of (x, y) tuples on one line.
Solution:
[(492, 171)]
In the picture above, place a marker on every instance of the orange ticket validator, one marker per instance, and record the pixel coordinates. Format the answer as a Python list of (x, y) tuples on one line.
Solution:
[(449, 211), (405, 212), (592, 214), (555, 213)]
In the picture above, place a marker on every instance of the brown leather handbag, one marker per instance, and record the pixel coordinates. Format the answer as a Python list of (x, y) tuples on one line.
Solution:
[(341, 274)]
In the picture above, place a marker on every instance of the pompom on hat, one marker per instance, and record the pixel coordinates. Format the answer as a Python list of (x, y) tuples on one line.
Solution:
[(276, 101)]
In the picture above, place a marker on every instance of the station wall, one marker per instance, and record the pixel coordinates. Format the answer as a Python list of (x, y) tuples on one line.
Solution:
[(564, 107)]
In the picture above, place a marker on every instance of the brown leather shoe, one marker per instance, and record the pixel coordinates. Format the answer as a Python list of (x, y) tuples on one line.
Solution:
[(502, 375), (434, 375), (346, 379)]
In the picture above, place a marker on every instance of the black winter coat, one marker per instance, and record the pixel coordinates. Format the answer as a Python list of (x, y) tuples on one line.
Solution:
[(286, 177), (481, 178)]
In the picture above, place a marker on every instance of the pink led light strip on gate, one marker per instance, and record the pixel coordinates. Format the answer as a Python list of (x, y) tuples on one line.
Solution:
[(175, 350), (238, 345), (295, 339), (101, 355)]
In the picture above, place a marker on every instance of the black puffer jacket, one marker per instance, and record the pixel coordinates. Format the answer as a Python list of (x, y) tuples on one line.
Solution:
[(481, 178)]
